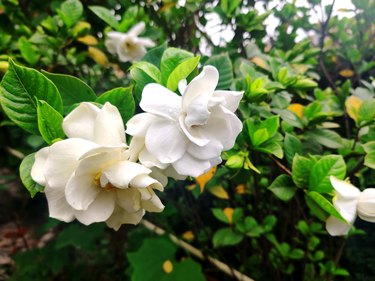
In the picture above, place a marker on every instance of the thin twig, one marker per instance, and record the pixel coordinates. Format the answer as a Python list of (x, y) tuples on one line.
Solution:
[(198, 253), (282, 167)]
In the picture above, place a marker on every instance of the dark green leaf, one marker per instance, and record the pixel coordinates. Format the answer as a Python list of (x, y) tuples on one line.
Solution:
[(70, 12), (25, 170), (49, 122), (301, 170), (171, 58), (292, 146), (106, 15), (154, 55), (325, 137), (225, 68), (226, 237), (283, 187)]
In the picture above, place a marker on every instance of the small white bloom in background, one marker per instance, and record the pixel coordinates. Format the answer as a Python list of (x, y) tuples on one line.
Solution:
[(128, 46), (89, 177), (184, 136), (345, 202), (366, 205)]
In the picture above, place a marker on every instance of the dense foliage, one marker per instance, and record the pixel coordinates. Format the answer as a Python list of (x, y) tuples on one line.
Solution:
[(308, 113)]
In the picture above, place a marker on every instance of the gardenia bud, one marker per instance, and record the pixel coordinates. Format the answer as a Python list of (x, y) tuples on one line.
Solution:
[(235, 162)]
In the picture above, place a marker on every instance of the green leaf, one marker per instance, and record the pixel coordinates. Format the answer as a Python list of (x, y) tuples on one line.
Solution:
[(18, 90), (122, 98), (325, 137), (271, 147), (366, 112), (49, 122), (370, 160), (323, 203), (301, 170), (70, 12), (226, 237), (27, 51), (182, 71), (148, 69), (72, 89), (25, 170), (225, 68), (188, 269), (219, 214), (154, 55), (171, 58), (271, 124), (289, 117), (329, 165), (260, 136), (296, 254), (304, 83), (106, 15), (292, 146), (283, 187)]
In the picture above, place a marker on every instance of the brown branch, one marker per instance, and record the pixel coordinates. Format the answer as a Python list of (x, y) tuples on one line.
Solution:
[(281, 166)]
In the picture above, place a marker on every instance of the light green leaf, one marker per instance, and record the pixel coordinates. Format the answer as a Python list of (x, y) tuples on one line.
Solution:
[(226, 237), (18, 90), (149, 69), (25, 170), (260, 136), (323, 203), (271, 124), (325, 137), (122, 98), (272, 147), (370, 160), (225, 68), (49, 122), (289, 117), (301, 170), (366, 112), (283, 187), (72, 89), (70, 12), (171, 58), (28, 52), (329, 165), (292, 146), (182, 71), (105, 15)]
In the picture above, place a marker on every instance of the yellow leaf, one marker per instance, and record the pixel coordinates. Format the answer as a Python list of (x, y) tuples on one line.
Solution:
[(4, 66), (297, 109), (241, 189), (88, 40), (259, 62), (191, 187), (205, 178), (188, 235), (347, 73), (167, 266), (352, 105), (98, 56), (300, 68), (228, 212), (219, 192)]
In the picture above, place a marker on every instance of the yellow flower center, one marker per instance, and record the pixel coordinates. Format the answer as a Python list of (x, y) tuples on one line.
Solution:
[(107, 187)]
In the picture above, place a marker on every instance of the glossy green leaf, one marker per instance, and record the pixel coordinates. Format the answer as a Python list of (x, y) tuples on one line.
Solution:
[(105, 15), (72, 89), (172, 57), (154, 55), (301, 170), (182, 71), (226, 237), (271, 124), (325, 204), (283, 187), (122, 98), (329, 165), (70, 12), (260, 136), (325, 137), (271, 147), (25, 170), (225, 68), (18, 90), (144, 73), (49, 122), (292, 146), (366, 112)]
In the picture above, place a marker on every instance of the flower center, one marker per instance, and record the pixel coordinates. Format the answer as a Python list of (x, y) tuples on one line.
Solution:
[(107, 187)]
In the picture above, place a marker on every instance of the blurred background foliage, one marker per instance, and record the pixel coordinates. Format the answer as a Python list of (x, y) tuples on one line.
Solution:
[(309, 97)]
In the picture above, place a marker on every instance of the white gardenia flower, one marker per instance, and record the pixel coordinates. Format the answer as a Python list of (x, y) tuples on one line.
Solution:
[(366, 205), (184, 136), (89, 177), (345, 202), (128, 46)]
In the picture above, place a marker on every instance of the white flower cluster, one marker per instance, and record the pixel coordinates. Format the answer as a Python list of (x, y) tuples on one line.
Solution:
[(93, 176), (350, 201)]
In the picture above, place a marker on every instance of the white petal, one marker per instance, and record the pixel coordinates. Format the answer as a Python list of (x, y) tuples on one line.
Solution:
[(153, 205), (166, 141), (159, 176), (99, 210), (211, 150), (170, 171), (149, 160), (129, 199), (142, 181), (37, 170), (146, 193), (57, 205), (336, 227), (159, 100), (109, 128), (115, 35), (123, 172), (120, 217), (347, 208), (192, 133), (111, 45), (344, 188), (136, 145), (191, 166), (231, 99), (366, 205), (146, 42), (137, 126), (95, 163), (137, 29), (63, 160), (81, 191), (81, 121), (182, 86)]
